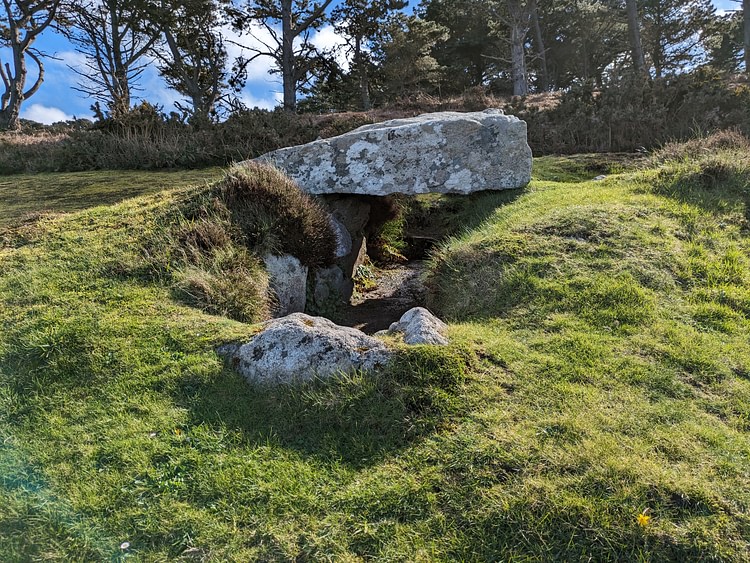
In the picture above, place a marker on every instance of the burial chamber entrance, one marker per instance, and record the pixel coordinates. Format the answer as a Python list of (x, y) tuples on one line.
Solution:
[(355, 173), (377, 283)]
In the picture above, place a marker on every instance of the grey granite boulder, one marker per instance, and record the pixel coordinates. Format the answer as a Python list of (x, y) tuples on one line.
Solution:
[(288, 279), (331, 288), (299, 348), (446, 152), (419, 326)]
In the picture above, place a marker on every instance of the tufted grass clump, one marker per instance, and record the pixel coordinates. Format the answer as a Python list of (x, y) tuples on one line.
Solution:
[(275, 216), (728, 141)]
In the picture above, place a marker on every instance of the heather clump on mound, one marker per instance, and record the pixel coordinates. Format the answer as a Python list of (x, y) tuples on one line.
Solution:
[(275, 216), (210, 243)]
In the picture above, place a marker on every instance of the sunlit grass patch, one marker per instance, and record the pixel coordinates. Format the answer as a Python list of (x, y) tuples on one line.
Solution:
[(593, 404)]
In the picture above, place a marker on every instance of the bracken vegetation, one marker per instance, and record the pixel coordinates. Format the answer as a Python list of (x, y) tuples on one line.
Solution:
[(593, 404)]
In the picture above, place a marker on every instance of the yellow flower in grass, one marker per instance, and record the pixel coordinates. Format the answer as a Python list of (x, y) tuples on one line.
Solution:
[(644, 518)]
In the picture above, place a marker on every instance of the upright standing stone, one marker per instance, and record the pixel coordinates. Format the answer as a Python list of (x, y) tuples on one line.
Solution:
[(288, 279), (447, 152)]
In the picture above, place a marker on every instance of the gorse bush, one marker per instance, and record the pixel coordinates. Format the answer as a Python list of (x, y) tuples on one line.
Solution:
[(635, 114)]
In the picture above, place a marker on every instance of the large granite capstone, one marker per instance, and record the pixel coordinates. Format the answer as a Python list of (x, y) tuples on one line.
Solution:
[(446, 152)]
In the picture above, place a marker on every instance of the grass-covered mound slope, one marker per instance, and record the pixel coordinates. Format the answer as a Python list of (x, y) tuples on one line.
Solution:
[(614, 317), (595, 406), (28, 194), (118, 421)]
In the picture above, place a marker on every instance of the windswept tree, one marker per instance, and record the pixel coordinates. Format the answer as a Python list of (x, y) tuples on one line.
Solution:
[(574, 41), (518, 20), (634, 32), (469, 52), (673, 32), (114, 36), (724, 42), (510, 22), (20, 26), (360, 22), (193, 56), (405, 55), (539, 46), (288, 25)]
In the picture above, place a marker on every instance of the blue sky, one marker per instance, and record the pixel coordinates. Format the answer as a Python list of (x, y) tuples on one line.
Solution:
[(57, 99)]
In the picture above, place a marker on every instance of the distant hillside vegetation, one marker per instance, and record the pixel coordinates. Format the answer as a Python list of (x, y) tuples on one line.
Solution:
[(627, 116)]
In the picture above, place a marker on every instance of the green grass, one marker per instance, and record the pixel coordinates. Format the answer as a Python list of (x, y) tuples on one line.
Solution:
[(22, 194), (599, 371)]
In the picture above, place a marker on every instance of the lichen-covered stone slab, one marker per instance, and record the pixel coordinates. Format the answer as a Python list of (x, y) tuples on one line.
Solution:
[(299, 348), (288, 279), (446, 152)]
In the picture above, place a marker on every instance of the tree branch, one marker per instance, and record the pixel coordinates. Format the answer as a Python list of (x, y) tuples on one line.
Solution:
[(5, 77), (38, 28), (316, 13), (31, 91)]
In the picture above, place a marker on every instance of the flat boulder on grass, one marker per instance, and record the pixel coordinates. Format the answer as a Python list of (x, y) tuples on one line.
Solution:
[(299, 348), (445, 152)]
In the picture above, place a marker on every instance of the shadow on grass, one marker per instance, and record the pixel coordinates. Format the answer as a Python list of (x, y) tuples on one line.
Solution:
[(439, 216), (355, 419)]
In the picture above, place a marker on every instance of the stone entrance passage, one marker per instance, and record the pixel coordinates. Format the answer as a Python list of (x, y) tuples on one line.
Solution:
[(446, 152), (398, 289)]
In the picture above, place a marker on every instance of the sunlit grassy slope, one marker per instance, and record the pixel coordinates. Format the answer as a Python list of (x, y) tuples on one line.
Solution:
[(71, 191), (595, 404)]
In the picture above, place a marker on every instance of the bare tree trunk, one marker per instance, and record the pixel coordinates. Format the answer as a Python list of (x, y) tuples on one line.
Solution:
[(202, 102), (10, 108), (364, 79), (634, 28), (746, 21), (25, 22), (120, 86), (518, 62), (519, 16), (541, 52), (287, 57)]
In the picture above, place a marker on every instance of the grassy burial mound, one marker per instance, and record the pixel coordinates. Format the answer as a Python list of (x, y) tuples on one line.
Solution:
[(595, 402)]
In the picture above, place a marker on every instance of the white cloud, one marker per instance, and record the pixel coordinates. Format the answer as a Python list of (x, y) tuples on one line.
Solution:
[(246, 44), (326, 39), (44, 114), (251, 101), (70, 59)]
